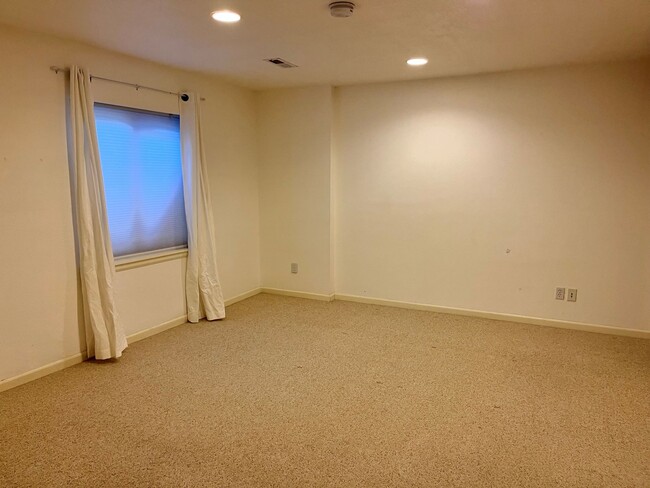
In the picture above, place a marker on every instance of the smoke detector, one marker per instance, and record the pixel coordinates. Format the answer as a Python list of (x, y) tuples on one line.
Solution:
[(341, 9)]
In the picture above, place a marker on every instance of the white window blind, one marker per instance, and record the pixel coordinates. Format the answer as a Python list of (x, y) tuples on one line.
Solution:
[(141, 162)]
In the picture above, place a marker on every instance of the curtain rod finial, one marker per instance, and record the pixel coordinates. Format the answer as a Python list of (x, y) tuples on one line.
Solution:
[(58, 69)]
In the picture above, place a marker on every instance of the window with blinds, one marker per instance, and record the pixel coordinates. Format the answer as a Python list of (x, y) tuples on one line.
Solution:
[(140, 154)]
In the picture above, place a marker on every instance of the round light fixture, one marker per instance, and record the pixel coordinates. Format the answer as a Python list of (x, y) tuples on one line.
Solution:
[(417, 61), (227, 16)]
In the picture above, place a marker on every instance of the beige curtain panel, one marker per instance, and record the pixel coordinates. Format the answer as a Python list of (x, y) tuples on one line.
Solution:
[(105, 336), (202, 287)]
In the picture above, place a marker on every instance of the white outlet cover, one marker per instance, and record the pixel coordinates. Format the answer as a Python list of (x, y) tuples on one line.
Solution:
[(559, 293), (572, 295)]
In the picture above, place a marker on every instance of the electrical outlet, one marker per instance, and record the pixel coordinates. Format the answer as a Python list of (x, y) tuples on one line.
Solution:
[(294, 268), (559, 293), (572, 295)]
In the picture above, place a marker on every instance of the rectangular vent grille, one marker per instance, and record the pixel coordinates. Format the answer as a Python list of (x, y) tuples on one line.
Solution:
[(281, 63)]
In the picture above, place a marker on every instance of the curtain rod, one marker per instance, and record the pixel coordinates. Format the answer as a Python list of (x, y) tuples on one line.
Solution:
[(183, 96)]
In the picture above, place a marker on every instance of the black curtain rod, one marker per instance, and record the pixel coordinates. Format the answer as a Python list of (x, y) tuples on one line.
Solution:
[(183, 96)]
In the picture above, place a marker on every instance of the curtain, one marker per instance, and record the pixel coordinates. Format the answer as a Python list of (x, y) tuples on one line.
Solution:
[(202, 288), (105, 336)]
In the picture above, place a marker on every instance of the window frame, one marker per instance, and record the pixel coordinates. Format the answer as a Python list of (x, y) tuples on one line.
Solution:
[(146, 258), (139, 260)]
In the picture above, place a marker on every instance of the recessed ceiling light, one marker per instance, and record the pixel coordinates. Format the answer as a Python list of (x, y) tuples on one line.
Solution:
[(417, 61), (227, 16)]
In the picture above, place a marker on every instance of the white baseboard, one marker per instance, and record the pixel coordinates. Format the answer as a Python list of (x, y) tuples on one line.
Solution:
[(143, 334), (138, 336), (504, 317), (299, 294), (157, 329), (243, 296), (48, 369), (522, 319), (34, 374)]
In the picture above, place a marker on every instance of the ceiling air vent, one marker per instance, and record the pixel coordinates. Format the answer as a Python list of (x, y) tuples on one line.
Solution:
[(281, 63)]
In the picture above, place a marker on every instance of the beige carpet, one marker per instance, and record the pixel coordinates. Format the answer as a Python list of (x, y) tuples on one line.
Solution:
[(292, 392)]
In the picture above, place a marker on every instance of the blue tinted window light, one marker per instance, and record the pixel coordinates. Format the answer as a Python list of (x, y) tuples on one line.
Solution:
[(140, 154)]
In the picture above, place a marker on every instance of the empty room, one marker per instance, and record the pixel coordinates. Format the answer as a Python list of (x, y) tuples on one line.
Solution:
[(291, 243)]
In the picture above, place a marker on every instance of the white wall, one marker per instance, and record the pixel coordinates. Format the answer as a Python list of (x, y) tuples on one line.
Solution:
[(294, 133), (437, 179), (39, 318), (433, 181), (416, 188), (151, 295)]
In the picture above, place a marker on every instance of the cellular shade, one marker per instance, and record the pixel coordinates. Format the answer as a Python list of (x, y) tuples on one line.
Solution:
[(141, 163)]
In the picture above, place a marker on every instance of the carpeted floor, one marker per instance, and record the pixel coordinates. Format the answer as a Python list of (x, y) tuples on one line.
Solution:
[(292, 392)]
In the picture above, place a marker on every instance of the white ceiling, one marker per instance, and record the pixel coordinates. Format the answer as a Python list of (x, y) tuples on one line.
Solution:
[(458, 36)]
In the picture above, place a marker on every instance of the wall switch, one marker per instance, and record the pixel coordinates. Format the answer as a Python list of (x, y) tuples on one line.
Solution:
[(572, 295), (559, 293), (294, 268)]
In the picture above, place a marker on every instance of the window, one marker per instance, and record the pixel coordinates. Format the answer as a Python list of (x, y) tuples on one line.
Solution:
[(141, 162)]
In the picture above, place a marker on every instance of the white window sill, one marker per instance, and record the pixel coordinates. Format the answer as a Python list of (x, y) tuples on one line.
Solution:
[(146, 259)]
